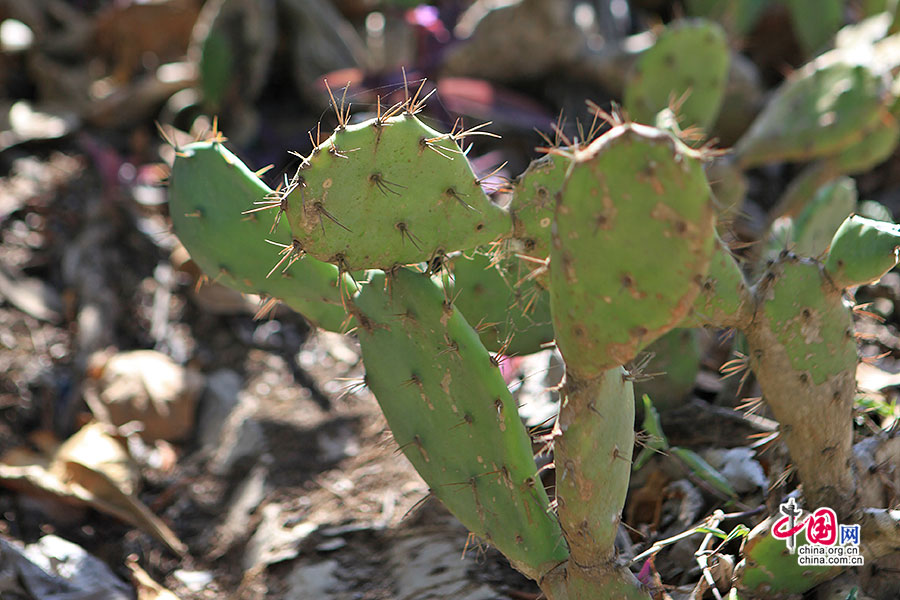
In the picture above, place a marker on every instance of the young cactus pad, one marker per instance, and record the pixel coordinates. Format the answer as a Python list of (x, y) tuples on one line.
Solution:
[(210, 194), (389, 191), (454, 418), (633, 238)]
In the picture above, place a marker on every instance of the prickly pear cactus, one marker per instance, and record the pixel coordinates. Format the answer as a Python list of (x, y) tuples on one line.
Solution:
[(618, 234)]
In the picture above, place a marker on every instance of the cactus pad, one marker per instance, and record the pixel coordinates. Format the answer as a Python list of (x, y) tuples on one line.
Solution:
[(633, 239), (210, 189), (862, 251), (669, 74), (453, 417), (510, 310), (813, 115), (386, 192)]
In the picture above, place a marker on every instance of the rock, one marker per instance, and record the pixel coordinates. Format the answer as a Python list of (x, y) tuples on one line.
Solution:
[(428, 567), (243, 503), (219, 400), (314, 581), (195, 581), (55, 569)]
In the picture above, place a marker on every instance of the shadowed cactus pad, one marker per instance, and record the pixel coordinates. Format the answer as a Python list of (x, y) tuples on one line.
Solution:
[(510, 309), (816, 114), (534, 202)]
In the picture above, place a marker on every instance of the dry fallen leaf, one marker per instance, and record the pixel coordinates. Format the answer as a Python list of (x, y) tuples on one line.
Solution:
[(73, 475)]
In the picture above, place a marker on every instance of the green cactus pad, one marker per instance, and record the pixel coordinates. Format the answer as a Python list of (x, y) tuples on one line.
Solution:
[(670, 73), (534, 202), (724, 299), (388, 192), (634, 235), (510, 310), (874, 210), (816, 21), (817, 224), (862, 251), (877, 146), (814, 115), (210, 189), (452, 415), (809, 233)]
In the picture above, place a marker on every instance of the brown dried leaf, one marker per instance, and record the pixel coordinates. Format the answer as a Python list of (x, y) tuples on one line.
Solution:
[(72, 477)]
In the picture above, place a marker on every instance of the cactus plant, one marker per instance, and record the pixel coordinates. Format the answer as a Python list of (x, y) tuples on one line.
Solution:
[(442, 262)]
